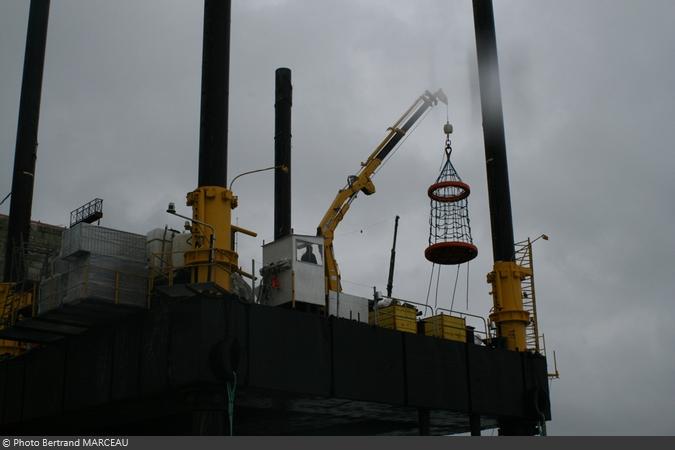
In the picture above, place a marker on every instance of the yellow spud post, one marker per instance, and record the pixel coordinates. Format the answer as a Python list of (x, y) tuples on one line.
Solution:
[(212, 257), (509, 316)]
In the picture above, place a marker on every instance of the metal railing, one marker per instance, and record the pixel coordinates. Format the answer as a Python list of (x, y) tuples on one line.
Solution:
[(464, 315), (400, 300), (161, 268), (89, 212), (89, 281)]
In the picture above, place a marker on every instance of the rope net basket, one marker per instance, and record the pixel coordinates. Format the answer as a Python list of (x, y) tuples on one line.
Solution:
[(450, 240)]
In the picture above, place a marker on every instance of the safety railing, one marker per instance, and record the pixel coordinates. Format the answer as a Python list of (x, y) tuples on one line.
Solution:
[(89, 212), (401, 301), (162, 271), (94, 282), (485, 332)]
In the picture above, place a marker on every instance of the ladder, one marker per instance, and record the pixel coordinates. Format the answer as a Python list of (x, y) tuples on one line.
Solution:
[(524, 259), (6, 305)]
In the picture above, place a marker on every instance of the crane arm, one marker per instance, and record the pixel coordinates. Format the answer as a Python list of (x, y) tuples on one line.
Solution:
[(362, 181)]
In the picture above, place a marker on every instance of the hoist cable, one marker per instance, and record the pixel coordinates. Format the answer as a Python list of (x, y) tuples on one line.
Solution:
[(454, 289), (467, 285), (438, 279), (431, 277)]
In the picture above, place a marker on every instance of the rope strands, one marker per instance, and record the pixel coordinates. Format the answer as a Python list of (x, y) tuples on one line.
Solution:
[(450, 239)]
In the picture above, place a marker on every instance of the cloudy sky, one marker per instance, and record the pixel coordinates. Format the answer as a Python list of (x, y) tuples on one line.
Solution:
[(588, 102)]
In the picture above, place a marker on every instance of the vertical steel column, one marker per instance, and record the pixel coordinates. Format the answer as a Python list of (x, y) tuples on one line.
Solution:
[(493, 132), (215, 94), (18, 229), (392, 260), (282, 152)]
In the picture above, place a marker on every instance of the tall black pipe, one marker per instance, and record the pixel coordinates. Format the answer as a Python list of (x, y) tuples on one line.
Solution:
[(282, 152), (215, 94), (493, 132), (18, 229)]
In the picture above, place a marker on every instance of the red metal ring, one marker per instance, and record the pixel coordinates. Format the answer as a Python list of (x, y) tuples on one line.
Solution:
[(450, 253), (464, 193)]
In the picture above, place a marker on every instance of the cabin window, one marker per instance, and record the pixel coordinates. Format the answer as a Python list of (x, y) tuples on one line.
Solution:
[(309, 252)]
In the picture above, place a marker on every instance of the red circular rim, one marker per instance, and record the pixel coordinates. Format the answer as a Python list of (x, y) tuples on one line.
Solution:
[(465, 191), (451, 253)]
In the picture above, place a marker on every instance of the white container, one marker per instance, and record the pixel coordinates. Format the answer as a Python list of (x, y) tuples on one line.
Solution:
[(180, 245)]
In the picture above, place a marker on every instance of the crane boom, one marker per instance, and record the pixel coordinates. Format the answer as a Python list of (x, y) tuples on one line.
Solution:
[(362, 181)]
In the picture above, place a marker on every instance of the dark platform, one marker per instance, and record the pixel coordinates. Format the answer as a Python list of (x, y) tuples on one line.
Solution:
[(164, 371)]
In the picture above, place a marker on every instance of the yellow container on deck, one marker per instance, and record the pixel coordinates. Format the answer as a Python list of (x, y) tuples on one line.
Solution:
[(446, 327), (395, 317), (12, 348)]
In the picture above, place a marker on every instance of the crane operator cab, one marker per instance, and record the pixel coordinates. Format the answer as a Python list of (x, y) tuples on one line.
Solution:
[(293, 276)]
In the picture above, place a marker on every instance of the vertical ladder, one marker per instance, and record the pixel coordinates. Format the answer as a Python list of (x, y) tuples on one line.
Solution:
[(10, 303), (524, 259), (6, 304)]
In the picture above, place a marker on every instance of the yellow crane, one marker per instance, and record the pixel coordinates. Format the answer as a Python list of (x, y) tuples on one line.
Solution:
[(362, 182)]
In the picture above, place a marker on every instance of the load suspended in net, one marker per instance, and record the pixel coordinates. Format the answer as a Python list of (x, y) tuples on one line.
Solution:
[(449, 228)]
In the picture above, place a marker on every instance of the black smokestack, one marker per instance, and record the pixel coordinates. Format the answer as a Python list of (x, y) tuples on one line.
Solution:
[(215, 94), (493, 132), (282, 152), (18, 230)]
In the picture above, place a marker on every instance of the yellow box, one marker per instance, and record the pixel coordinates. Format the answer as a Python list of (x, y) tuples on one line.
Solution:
[(395, 317), (446, 327)]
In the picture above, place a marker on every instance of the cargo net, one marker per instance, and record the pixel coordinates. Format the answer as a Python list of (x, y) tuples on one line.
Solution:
[(449, 228)]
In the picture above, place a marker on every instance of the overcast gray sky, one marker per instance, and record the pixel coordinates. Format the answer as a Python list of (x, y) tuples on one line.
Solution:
[(588, 101)]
